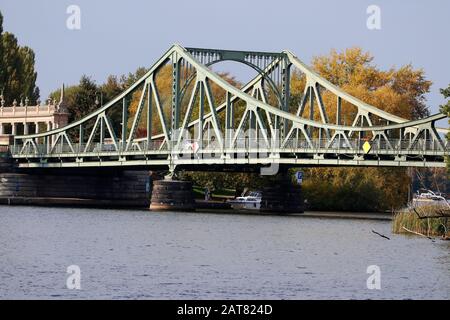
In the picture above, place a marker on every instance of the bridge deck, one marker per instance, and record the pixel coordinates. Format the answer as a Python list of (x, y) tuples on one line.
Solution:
[(294, 152)]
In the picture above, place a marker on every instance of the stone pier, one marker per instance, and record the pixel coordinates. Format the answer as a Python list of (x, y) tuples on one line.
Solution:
[(103, 188), (282, 196), (172, 195)]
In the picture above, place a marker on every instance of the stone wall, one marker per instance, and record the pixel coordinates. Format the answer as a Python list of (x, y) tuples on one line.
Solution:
[(5, 164), (172, 195), (129, 187), (282, 197)]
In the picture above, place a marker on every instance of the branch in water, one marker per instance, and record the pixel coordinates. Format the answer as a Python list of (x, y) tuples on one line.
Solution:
[(381, 235), (418, 233)]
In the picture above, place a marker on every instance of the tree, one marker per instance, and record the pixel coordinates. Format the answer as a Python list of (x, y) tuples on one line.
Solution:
[(11, 61), (109, 90), (80, 100), (85, 98), (2, 67), (17, 69), (398, 91), (19, 75), (28, 74), (446, 109)]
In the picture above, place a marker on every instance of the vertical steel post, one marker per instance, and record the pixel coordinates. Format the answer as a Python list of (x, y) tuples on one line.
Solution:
[(149, 115), (175, 94), (201, 113), (61, 142), (252, 125), (285, 82), (311, 109), (81, 139), (228, 119), (338, 111), (360, 133), (320, 137), (124, 122), (102, 131)]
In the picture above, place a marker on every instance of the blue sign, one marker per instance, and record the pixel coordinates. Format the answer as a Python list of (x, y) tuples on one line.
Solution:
[(299, 177)]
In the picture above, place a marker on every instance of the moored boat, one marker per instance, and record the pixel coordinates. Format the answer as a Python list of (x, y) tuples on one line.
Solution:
[(250, 202)]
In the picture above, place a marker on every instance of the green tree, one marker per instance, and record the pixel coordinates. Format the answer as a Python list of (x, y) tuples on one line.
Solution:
[(85, 98), (109, 90), (2, 68), (28, 74), (11, 65), (446, 109), (17, 69), (80, 99)]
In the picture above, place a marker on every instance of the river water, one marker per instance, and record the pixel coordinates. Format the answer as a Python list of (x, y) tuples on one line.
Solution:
[(126, 254)]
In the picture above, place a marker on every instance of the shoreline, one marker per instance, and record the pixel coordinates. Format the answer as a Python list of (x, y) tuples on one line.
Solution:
[(131, 204), (73, 202), (308, 214)]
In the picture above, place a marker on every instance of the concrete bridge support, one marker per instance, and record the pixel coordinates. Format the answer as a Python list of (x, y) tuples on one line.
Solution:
[(102, 188), (282, 196), (172, 195)]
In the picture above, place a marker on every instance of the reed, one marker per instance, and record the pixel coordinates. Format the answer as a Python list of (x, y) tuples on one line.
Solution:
[(426, 226)]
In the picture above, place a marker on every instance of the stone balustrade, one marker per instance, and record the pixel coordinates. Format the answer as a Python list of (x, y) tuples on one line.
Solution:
[(25, 119)]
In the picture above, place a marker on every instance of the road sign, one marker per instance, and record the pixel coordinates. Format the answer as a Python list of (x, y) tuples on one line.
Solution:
[(299, 177), (367, 146)]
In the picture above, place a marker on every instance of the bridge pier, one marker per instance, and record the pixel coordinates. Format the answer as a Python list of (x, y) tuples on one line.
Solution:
[(75, 187), (282, 196), (172, 195), (5, 164)]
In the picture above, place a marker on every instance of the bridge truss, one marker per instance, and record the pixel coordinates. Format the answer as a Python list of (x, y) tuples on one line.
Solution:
[(181, 114)]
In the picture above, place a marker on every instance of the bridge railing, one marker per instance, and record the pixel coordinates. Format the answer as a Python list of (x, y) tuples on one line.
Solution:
[(356, 145), (317, 146), (43, 150)]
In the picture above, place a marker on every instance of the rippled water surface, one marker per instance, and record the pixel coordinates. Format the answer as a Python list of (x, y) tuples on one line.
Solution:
[(145, 255)]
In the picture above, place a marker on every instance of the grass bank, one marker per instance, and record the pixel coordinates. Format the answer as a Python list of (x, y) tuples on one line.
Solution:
[(222, 194), (409, 222)]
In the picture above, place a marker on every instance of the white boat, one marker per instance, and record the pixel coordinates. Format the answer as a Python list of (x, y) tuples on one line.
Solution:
[(429, 198), (250, 202)]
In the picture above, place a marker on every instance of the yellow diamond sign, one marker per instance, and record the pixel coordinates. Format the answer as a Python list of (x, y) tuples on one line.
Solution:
[(367, 147)]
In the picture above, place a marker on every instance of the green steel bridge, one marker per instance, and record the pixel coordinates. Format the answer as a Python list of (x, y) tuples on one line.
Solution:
[(198, 120)]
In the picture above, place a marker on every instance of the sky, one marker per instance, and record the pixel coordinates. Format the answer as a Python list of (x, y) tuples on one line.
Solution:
[(116, 37)]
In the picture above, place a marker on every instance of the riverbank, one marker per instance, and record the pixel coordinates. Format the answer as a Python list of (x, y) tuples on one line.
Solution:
[(349, 215), (408, 222), (212, 207), (307, 214), (71, 202)]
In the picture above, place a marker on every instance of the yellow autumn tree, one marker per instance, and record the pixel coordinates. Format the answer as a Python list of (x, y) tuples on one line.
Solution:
[(400, 91)]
